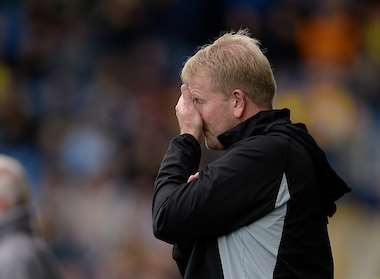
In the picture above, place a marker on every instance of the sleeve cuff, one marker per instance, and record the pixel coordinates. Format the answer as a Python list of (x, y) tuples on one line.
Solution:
[(187, 141)]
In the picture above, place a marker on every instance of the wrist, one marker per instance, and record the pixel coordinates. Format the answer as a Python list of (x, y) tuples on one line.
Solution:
[(196, 135)]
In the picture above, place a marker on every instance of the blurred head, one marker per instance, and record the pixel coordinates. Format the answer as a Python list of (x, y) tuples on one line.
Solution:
[(230, 81), (13, 184)]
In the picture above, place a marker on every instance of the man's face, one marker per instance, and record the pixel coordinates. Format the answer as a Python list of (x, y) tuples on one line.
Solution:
[(215, 108)]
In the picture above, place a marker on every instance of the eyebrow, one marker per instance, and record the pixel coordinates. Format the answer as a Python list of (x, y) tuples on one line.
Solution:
[(197, 97), (194, 94)]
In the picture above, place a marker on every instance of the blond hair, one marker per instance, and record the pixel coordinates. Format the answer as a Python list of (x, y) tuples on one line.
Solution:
[(235, 61), (13, 181)]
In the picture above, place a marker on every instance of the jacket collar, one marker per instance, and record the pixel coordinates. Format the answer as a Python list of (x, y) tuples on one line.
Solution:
[(258, 124), (15, 220)]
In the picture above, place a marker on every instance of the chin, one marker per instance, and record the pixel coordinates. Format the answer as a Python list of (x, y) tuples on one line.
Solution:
[(213, 144)]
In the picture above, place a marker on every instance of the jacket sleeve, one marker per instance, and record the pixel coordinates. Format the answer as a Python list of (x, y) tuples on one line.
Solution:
[(231, 192)]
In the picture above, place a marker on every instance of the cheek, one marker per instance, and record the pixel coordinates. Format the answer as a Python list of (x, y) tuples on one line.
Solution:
[(222, 121), (212, 122), (214, 118)]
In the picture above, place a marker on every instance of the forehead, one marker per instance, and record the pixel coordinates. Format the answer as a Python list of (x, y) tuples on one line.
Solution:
[(201, 82)]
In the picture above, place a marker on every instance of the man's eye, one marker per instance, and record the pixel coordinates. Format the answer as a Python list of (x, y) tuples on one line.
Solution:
[(195, 100)]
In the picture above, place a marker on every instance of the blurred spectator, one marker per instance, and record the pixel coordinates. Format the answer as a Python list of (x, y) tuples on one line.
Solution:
[(371, 30), (329, 37), (22, 254)]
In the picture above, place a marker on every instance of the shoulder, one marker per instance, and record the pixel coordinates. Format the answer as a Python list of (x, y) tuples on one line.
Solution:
[(22, 248), (269, 144), (25, 256), (17, 246), (256, 153)]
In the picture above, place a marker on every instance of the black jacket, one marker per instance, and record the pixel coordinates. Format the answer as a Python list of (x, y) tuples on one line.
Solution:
[(259, 211)]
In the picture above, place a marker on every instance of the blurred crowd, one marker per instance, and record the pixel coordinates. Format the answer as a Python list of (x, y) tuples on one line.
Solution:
[(87, 96)]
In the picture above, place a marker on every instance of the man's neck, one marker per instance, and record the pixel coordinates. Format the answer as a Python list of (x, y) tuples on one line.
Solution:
[(253, 109)]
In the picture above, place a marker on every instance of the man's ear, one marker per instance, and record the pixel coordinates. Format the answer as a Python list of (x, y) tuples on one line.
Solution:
[(239, 100)]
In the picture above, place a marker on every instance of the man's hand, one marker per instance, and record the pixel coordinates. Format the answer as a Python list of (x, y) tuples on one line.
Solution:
[(193, 177), (189, 119)]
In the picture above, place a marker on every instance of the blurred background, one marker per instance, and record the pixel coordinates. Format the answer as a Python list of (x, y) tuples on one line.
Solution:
[(87, 96)]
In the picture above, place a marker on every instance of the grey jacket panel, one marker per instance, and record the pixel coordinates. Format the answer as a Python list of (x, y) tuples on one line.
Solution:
[(251, 252)]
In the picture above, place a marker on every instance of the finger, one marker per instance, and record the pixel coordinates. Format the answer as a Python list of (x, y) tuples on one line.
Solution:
[(185, 92), (193, 177), (180, 100), (196, 175), (190, 178)]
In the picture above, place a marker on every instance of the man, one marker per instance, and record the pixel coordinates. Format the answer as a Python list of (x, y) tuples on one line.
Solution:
[(260, 210), (22, 255)]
